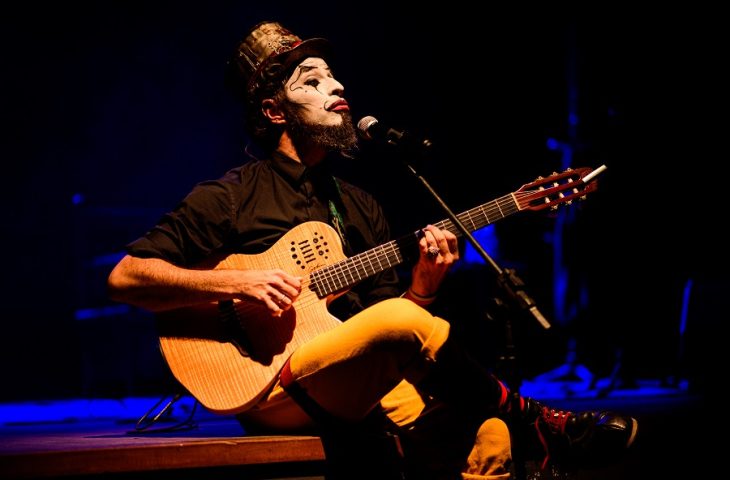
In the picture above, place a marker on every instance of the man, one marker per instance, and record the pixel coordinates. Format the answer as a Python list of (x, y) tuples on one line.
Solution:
[(389, 355)]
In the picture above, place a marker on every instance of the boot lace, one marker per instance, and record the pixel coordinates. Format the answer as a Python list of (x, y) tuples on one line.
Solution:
[(555, 421)]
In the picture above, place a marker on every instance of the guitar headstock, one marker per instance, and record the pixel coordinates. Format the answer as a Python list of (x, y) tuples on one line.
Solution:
[(558, 188)]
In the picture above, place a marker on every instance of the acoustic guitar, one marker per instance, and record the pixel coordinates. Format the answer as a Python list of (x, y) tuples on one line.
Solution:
[(226, 354)]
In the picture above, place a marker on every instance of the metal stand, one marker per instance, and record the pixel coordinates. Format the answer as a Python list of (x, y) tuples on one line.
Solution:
[(147, 423)]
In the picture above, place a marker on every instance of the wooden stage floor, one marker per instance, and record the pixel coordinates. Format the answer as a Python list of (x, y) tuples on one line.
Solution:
[(87, 439)]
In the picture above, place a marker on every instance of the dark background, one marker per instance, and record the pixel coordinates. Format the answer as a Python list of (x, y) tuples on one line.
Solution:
[(113, 110)]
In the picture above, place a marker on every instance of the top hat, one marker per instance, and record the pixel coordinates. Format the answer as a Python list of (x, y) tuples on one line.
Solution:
[(267, 42)]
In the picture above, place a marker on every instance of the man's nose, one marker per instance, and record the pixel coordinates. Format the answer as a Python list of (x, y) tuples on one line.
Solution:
[(336, 88)]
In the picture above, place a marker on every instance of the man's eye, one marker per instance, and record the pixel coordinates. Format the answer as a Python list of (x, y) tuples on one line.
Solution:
[(312, 82)]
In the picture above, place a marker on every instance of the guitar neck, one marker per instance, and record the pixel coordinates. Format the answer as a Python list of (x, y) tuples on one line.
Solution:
[(483, 215), (346, 273)]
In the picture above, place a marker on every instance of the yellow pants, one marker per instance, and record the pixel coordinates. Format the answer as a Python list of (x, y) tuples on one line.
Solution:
[(373, 361)]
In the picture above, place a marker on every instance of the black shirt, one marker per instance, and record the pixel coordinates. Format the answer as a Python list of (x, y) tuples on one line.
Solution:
[(250, 207)]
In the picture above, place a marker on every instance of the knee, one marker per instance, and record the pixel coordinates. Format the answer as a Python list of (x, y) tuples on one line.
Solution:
[(404, 320), (401, 314)]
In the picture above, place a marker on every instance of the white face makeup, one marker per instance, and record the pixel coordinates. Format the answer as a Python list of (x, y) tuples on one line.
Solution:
[(313, 88)]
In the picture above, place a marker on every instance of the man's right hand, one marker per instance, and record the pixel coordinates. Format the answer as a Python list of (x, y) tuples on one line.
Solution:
[(274, 288)]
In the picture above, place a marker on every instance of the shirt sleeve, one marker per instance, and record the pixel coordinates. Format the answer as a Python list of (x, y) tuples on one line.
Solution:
[(193, 230)]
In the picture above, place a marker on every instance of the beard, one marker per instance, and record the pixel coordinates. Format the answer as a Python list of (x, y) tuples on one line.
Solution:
[(333, 138)]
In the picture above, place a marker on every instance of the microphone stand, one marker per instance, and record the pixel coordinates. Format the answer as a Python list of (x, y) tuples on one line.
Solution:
[(513, 296)]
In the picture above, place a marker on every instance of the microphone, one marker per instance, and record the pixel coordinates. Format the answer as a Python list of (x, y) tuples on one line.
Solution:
[(370, 129)]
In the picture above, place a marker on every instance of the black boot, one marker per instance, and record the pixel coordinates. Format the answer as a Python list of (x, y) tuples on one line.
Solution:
[(583, 439)]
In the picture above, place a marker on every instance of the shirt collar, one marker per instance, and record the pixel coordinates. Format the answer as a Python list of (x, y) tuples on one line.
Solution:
[(296, 172), (288, 168)]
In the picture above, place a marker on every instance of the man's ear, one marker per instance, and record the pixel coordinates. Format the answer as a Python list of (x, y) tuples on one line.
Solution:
[(272, 111)]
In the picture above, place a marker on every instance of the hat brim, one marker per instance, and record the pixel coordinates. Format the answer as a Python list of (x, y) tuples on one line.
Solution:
[(313, 47)]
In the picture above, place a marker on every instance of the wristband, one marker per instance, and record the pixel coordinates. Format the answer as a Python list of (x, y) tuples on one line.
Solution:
[(419, 299)]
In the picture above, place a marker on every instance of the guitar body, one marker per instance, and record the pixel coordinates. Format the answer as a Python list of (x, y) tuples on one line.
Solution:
[(228, 357)]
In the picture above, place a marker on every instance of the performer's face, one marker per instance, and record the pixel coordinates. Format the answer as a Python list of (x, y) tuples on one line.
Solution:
[(316, 93)]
